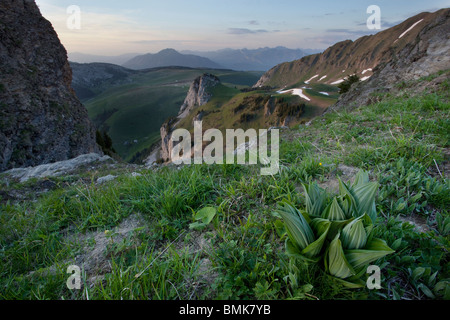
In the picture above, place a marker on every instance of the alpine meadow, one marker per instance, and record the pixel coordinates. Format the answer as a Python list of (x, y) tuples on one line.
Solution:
[(329, 133)]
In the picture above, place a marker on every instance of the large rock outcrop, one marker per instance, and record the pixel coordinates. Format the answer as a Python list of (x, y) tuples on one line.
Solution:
[(41, 119), (199, 94), (359, 57), (426, 54)]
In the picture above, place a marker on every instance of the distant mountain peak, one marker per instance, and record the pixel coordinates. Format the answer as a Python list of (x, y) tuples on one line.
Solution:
[(169, 58)]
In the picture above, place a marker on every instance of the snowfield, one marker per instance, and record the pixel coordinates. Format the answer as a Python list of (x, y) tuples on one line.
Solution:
[(412, 27), (339, 81), (296, 92), (308, 81)]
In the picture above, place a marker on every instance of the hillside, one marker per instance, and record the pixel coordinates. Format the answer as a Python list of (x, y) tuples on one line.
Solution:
[(139, 245), (131, 106), (91, 79), (169, 58), (359, 57), (79, 57), (296, 92)]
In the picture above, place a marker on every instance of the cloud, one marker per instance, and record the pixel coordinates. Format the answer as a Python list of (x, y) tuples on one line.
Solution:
[(353, 33), (384, 24), (245, 31), (240, 31), (253, 23)]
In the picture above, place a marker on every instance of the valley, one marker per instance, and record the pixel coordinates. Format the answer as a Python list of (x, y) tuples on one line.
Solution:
[(132, 106)]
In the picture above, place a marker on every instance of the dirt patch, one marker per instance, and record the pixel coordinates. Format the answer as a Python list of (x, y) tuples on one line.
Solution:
[(419, 223), (94, 258), (346, 174), (205, 275)]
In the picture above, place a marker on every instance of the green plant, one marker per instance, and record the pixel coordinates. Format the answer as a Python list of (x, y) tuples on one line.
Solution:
[(338, 231), (347, 84), (203, 218)]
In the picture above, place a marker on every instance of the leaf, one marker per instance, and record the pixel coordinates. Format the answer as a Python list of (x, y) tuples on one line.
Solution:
[(365, 198), (362, 177), (293, 251), (206, 215), (334, 212), (297, 228), (336, 227), (426, 291), (203, 218), (314, 249), (417, 273), (373, 251), (315, 198), (280, 228), (397, 243), (336, 263), (354, 235)]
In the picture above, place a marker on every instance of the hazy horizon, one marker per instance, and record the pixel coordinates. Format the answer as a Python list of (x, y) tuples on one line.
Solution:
[(137, 26)]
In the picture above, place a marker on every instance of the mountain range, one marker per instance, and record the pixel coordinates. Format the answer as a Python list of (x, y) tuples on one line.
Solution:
[(261, 59), (360, 57)]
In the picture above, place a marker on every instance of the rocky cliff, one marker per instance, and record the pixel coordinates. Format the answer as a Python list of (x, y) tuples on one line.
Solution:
[(359, 57), (199, 94), (41, 119), (426, 54)]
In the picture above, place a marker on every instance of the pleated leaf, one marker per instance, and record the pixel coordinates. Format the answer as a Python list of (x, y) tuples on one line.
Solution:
[(336, 228), (365, 197), (297, 227), (336, 263), (347, 206), (334, 212), (354, 235), (315, 198), (293, 251), (322, 227), (375, 250), (362, 177)]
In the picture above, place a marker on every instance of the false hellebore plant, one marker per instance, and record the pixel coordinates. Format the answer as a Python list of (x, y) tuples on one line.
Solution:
[(336, 231)]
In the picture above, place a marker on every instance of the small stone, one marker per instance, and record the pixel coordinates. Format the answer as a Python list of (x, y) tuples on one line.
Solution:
[(105, 179)]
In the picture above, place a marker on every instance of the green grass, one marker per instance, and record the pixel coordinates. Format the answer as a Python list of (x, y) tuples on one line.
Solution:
[(133, 114), (241, 255)]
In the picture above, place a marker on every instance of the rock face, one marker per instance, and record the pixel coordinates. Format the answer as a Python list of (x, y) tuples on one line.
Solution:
[(198, 95), (425, 55), (359, 57), (41, 119)]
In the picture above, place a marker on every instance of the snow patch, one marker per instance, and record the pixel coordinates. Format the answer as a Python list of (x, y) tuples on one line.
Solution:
[(322, 78), (324, 93), (308, 81), (367, 70), (296, 92), (339, 81), (365, 78), (412, 27)]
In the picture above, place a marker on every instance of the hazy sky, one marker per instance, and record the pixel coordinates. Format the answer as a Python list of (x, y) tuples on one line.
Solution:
[(116, 27)]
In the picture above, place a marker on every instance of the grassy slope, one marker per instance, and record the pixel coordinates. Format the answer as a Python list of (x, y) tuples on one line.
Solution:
[(241, 256), (136, 111)]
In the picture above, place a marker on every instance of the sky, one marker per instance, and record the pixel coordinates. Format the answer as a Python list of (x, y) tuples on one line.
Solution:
[(112, 28)]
